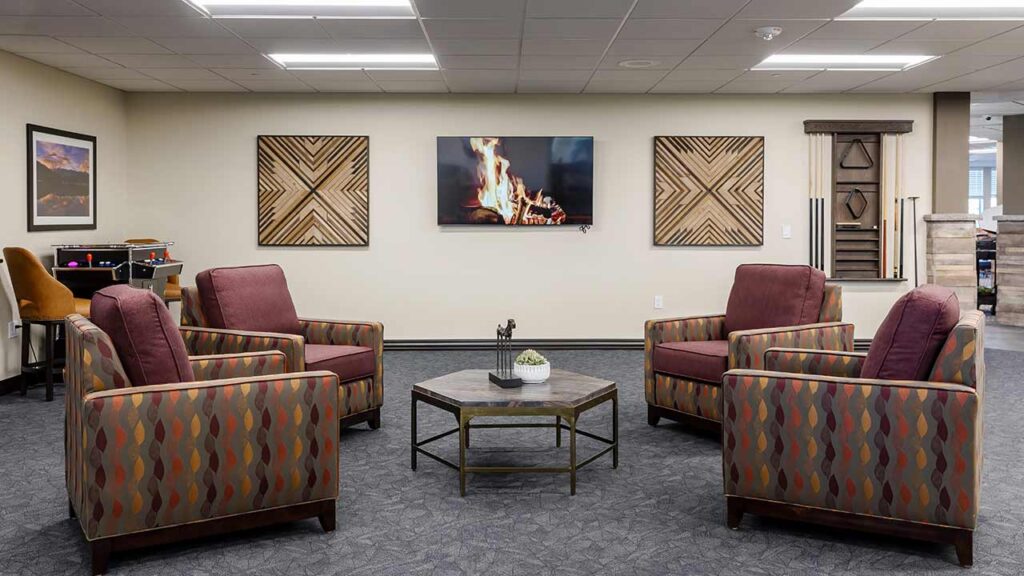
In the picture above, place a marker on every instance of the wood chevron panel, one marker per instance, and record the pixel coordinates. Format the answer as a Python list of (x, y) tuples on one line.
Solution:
[(708, 191), (313, 190)]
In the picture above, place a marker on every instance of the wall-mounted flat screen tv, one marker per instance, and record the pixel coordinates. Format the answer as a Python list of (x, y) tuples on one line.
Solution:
[(515, 181)]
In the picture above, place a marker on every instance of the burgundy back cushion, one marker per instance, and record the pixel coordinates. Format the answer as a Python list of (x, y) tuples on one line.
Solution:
[(252, 298), (909, 340), (773, 295), (144, 335)]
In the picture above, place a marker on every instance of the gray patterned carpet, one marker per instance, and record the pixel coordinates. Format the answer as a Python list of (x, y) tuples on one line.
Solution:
[(661, 512)]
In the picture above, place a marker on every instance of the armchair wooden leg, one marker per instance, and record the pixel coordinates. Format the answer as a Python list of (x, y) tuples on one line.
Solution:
[(51, 358), (329, 517), (71, 510), (653, 415), (100, 556), (965, 548), (734, 513), (374, 420)]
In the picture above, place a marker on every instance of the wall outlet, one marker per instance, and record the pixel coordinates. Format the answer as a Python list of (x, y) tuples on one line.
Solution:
[(12, 329), (787, 231), (659, 302)]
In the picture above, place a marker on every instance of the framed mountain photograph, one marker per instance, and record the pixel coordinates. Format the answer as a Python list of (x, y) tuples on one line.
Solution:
[(61, 180)]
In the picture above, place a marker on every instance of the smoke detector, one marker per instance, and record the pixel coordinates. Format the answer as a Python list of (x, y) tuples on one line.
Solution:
[(639, 63), (768, 33)]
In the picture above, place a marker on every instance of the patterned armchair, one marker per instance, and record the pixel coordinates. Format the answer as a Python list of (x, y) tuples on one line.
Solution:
[(769, 305), (221, 315), (828, 437), (243, 445)]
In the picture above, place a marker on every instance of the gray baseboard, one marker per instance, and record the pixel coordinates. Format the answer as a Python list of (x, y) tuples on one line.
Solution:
[(860, 345)]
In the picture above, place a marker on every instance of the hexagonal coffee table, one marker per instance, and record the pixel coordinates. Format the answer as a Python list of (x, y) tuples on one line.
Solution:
[(469, 394)]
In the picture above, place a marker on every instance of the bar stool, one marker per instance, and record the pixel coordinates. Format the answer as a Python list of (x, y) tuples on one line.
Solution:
[(41, 300)]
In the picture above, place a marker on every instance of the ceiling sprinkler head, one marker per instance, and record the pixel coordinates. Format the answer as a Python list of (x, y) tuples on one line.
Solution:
[(768, 33), (639, 63)]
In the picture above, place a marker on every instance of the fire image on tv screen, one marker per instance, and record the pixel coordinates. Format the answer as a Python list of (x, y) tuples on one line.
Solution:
[(515, 181)]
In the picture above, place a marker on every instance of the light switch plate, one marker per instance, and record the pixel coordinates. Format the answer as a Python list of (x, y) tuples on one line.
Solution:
[(659, 302), (12, 329), (787, 231)]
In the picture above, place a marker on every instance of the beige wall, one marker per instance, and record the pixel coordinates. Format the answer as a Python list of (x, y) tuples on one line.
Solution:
[(36, 94), (192, 169)]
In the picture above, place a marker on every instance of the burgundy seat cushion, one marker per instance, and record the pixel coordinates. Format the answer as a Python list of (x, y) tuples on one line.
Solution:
[(773, 295), (252, 298), (348, 362), (705, 361), (144, 335), (909, 340)]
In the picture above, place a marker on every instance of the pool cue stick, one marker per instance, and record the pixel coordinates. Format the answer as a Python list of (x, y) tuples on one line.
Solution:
[(825, 152), (883, 202), (902, 203), (810, 199), (913, 204)]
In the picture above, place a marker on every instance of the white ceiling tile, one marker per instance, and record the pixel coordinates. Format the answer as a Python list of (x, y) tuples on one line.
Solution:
[(473, 28), (475, 46), (471, 8), (556, 75), (835, 81), (618, 87), (282, 85), (960, 30), (776, 75), (796, 8), (507, 86), (809, 45), (687, 8), (405, 75), (672, 29), (413, 87), (295, 45), (758, 87), (679, 48), (382, 28), (934, 72), (392, 45), (455, 62), (737, 37), (577, 8), (925, 47), (174, 27), (720, 76), (140, 85), (140, 7), (102, 74), (861, 30), (559, 62), (131, 45), (37, 44), (222, 46), (170, 74), (611, 62), (563, 28), (551, 86), (72, 60), (997, 108), (314, 77), (43, 8), (152, 61), (231, 61), (574, 47), (61, 26), (249, 74), (635, 76), (1004, 45), (991, 77), (274, 27), (687, 87), (719, 62), (220, 85), (363, 86), (470, 81)]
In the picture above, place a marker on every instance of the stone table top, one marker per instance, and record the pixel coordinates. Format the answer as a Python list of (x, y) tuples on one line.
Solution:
[(472, 388)]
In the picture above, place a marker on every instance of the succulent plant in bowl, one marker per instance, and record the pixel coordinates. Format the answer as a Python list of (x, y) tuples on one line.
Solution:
[(531, 367)]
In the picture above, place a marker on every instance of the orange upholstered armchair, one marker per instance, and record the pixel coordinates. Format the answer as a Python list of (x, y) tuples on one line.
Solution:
[(41, 300)]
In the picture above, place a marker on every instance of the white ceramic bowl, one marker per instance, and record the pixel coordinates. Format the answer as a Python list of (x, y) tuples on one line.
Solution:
[(532, 374)]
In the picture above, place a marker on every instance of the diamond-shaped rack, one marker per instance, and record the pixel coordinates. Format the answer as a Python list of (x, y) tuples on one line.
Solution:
[(856, 203)]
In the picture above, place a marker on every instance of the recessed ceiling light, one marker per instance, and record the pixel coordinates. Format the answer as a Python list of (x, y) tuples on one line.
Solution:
[(936, 10), (639, 63), (305, 8), (850, 62), (356, 61)]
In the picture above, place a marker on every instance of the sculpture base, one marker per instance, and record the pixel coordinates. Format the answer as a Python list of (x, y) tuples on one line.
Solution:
[(505, 380)]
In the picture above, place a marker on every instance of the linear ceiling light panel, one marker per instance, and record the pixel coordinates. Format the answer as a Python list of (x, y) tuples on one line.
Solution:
[(356, 61), (851, 62), (936, 10), (305, 8)]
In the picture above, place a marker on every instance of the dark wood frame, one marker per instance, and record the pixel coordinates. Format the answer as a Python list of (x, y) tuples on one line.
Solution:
[(836, 160), (31, 161), (654, 193), (961, 538), (371, 417), (323, 510), (259, 241), (858, 126)]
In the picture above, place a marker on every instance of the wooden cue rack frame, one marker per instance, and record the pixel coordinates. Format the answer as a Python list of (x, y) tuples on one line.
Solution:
[(866, 221)]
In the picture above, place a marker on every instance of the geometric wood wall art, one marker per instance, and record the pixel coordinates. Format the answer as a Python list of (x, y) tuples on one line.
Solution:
[(313, 190), (708, 191)]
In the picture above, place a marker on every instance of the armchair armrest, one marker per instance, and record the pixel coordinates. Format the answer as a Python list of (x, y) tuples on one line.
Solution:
[(173, 454), (343, 332), (207, 341), (747, 347), (219, 366), (690, 329), (818, 362), (897, 449)]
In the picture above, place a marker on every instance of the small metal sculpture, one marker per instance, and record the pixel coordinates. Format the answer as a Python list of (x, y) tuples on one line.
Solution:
[(503, 374)]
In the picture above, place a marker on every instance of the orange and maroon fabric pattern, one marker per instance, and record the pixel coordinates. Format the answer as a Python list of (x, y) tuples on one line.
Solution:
[(192, 308), (353, 333), (747, 347), (208, 341), (147, 457), (697, 328), (832, 304), (962, 358), (821, 362), (219, 366)]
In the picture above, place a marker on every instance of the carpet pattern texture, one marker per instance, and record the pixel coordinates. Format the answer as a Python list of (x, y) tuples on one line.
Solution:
[(661, 512)]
